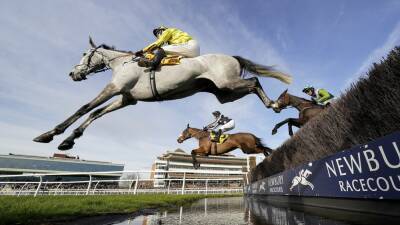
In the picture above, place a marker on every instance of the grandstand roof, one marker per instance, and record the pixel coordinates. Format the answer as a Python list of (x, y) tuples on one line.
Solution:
[(15, 163)]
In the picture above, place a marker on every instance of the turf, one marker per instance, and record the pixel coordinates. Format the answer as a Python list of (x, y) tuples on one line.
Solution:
[(34, 210)]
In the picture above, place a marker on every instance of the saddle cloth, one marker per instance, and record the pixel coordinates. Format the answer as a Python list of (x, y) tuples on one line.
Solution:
[(222, 138), (169, 60)]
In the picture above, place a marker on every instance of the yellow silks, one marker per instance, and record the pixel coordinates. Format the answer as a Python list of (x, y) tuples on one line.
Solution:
[(170, 36)]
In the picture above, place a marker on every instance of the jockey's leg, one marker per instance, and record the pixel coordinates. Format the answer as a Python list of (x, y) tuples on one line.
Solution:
[(215, 133), (153, 64), (190, 49), (125, 100), (228, 126), (218, 135)]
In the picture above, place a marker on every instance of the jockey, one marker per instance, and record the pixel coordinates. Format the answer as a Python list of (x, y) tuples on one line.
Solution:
[(222, 122), (170, 41), (319, 96)]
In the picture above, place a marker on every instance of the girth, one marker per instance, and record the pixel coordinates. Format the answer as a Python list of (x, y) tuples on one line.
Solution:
[(214, 150), (153, 86)]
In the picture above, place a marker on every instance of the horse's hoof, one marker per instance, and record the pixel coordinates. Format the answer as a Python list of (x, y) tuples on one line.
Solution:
[(274, 132), (66, 145), (44, 138)]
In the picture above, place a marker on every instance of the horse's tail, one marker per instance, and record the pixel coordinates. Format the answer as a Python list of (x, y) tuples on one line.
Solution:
[(259, 144), (261, 70)]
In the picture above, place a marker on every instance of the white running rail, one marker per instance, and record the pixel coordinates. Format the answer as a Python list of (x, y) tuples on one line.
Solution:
[(124, 182)]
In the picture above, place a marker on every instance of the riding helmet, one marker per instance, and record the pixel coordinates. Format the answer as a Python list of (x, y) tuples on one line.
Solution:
[(307, 88), (216, 113), (159, 29)]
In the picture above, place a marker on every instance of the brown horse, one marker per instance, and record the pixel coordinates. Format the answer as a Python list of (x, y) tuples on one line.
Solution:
[(307, 110), (247, 142)]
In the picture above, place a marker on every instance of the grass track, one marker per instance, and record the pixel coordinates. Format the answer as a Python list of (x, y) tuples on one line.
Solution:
[(30, 210)]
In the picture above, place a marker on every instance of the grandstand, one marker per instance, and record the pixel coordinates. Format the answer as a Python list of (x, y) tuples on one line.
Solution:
[(14, 164), (180, 162)]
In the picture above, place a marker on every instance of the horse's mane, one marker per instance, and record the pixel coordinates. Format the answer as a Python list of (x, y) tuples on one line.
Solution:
[(303, 99), (107, 47), (200, 133)]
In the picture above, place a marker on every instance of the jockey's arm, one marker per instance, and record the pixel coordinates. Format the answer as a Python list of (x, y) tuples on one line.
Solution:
[(213, 124), (166, 35), (324, 95)]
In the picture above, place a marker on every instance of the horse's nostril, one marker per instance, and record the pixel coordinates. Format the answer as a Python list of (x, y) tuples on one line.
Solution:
[(70, 74)]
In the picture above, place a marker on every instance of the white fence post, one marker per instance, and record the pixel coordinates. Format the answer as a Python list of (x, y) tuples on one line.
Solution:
[(40, 184), (95, 186), (89, 184), (183, 182), (130, 187), (169, 184), (22, 189), (207, 186), (55, 191), (136, 185)]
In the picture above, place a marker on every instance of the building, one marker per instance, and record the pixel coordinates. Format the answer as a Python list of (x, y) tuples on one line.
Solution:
[(180, 162), (13, 164)]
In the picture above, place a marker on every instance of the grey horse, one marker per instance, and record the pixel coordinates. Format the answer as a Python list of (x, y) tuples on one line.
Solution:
[(218, 74)]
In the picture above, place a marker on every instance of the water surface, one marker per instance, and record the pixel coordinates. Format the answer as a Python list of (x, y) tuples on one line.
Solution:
[(246, 211)]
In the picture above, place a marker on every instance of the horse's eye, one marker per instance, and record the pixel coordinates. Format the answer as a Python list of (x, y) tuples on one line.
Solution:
[(84, 54)]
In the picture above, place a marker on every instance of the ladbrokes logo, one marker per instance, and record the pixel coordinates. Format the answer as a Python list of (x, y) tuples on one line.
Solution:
[(302, 179)]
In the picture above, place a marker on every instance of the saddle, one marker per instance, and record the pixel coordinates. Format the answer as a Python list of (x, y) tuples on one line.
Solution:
[(169, 60), (222, 138)]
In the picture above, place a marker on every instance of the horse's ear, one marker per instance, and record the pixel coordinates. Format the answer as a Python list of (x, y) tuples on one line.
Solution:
[(187, 125), (285, 91), (91, 42)]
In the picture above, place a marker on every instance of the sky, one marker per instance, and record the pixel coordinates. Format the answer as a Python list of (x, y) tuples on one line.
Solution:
[(328, 44)]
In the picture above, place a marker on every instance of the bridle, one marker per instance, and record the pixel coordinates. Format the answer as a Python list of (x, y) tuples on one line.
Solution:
[(285, 102), (101, 67), (193, 135)]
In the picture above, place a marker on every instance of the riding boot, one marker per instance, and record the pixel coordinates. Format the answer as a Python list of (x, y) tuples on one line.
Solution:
[(159, 54), (218, 135), (213, 136)]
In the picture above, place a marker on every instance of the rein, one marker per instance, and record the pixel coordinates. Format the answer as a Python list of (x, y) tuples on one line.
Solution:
[(193, 135), (94, 68), (107, 67), (288, 105)]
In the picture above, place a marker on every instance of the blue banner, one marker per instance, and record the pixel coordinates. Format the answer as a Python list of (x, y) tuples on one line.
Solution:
[(365, 171)]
